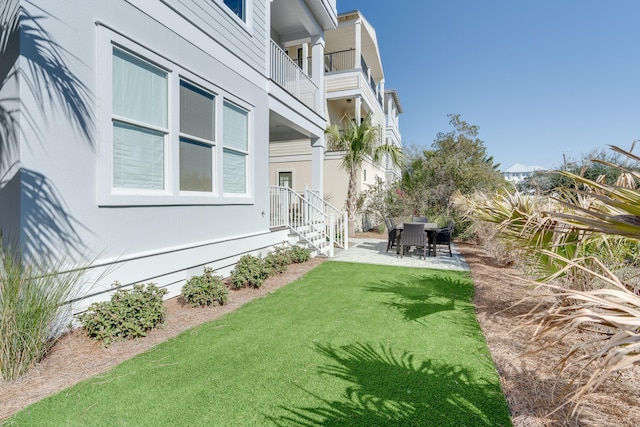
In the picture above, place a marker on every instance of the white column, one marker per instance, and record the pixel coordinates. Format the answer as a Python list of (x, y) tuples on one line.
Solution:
[(305, 55), (317, 71), (317, 164), (358, 39), (358, 106), (381, 92)]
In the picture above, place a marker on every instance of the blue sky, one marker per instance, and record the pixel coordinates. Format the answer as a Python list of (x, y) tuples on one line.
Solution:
[(542, 79)]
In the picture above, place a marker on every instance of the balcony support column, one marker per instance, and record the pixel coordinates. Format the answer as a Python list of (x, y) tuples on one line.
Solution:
[(317, 163), (358, 43), (304, 62), (317, 71), (358, 107)]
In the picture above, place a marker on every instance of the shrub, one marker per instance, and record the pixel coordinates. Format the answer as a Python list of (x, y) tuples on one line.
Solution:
[(249, 271), (32, 308), (277, 260), (129, 314), (207, 289), (298, 254)]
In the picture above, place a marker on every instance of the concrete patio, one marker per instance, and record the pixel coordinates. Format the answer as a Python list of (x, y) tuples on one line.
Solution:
[(374, 251)]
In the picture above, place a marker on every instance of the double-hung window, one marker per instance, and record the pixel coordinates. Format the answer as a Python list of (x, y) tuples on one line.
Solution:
[(237, 7), (197, 137), (140, 123), (235, 138)]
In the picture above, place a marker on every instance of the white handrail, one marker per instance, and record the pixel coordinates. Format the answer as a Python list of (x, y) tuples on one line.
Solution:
[(286, 73), (291, 209), (339, 220)]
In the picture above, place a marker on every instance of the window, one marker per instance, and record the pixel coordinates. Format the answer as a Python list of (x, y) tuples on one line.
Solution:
[(197, 130), (237, 7), (285, 179), (364, 175), (235, 139), (139, 120)]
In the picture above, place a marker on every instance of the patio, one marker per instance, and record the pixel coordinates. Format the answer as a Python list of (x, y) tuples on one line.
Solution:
[(374, 251)]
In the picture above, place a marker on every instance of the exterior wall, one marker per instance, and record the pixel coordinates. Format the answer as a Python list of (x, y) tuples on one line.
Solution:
[(10, 117), (65, 206)]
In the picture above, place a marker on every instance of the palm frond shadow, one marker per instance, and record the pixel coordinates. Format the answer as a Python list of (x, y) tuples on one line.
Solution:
[(44, 72), (390, 388), (425, 294), (47, 225)]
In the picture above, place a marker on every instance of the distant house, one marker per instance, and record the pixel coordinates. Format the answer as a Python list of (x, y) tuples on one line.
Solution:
[(518, 172), (135, 134)]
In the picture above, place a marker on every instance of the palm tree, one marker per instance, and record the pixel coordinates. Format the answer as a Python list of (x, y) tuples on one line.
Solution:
[(360, 141)]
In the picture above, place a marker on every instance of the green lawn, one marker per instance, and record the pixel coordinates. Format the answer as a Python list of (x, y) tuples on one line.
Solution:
[(346, 345)]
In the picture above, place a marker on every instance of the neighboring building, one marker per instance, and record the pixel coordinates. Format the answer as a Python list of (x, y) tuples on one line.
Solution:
[(518, 172), (138, 132), (354, 84)]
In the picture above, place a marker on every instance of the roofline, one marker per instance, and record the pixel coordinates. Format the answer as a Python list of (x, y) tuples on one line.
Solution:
[(396, 98)]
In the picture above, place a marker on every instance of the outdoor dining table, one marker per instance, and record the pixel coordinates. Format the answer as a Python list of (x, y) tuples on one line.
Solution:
[(430, 228)]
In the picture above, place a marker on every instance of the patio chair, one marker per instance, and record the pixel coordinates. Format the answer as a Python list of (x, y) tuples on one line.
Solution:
[(423, 219), (443, 237), (391, 229), (413, 234)]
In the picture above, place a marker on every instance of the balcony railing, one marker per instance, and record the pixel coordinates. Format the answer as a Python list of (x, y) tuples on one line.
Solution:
[(340, 61), (287, 74), (346, 60)]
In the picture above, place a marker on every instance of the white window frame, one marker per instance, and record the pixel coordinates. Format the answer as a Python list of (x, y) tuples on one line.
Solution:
[(247, 152), (106, 194), (245, 22), (213, 143)]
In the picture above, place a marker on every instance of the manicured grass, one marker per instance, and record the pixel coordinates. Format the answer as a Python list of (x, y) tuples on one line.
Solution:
[(348, 344)]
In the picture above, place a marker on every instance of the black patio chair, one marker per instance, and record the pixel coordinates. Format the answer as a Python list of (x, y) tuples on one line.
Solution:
[(443, 237), (423, 219), (391, 230), (413, 234)]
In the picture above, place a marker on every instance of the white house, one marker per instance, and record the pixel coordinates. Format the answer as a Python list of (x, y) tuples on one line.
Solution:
[(135, 133), (354, 86), (518, 172)]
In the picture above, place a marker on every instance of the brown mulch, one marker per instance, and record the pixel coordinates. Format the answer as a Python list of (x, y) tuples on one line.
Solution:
[(528, 379)]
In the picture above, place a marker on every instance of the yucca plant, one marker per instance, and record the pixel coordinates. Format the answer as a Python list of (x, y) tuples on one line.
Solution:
[(612, 312), (588, 230), (32, 307)]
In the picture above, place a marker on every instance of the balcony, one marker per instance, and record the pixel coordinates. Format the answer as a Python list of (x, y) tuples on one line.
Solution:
[(288, 75), (345, 60)]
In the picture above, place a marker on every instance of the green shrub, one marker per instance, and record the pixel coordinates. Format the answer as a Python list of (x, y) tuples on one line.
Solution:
[(298, 254), (129, 314), (277, 260), (32, 308), (249, 271), (207, 289)]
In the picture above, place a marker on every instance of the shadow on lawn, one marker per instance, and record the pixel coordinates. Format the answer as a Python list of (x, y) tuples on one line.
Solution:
[(390, 389), (426, 294)]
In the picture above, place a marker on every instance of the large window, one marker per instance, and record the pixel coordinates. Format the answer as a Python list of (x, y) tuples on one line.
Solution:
[(235, 137), (237, 7), (140, 111), (197, 136)]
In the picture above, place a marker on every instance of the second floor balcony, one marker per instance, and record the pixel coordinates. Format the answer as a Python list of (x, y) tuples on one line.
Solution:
[(346, 60), (288, 75)]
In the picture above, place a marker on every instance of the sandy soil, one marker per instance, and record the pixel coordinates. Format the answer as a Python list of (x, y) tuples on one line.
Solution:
[(530, 383)]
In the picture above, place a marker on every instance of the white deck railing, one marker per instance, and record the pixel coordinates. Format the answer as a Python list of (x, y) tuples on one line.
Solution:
[(337, 218), (287, 74)]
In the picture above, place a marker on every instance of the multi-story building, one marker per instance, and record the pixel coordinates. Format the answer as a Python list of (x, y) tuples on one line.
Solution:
[(136, 133), (354, 86)]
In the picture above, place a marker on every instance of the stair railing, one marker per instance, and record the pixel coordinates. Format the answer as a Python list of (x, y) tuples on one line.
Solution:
[(338, 223), (292, 210)]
